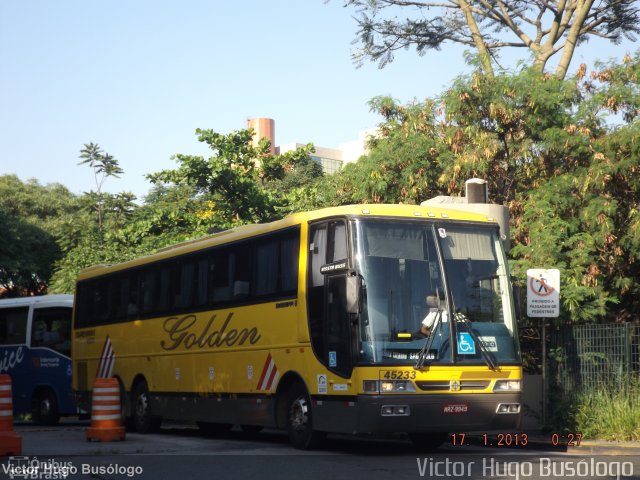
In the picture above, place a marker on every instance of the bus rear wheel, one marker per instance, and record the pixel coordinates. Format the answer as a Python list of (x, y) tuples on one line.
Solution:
[(143, 420), (44, 409), (300, 420)]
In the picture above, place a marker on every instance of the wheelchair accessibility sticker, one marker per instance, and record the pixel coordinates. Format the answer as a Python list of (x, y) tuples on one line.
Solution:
[(466, 345)]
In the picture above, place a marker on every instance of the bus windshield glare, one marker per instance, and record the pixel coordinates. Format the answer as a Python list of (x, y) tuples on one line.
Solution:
[(415, 276)]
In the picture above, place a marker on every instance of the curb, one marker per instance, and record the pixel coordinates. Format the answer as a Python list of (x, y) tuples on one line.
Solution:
[(541, 442), (606, 448)]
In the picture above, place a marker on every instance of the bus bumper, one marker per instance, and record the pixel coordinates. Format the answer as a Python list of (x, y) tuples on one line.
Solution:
[(438, 413), (377, 414)]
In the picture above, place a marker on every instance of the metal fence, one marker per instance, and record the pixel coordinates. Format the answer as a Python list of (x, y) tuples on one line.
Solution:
[(587, 357)]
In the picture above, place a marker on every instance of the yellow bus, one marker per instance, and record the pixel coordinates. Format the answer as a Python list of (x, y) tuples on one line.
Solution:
[(336, 320)]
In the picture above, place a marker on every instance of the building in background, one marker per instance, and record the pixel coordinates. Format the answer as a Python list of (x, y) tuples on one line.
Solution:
[(263, 128), (331, 159)]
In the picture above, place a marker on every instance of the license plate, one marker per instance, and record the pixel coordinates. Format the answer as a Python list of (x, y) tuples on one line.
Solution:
[(459, 408)]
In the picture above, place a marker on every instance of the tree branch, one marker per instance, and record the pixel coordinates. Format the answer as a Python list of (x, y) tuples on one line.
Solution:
[(572, 38)]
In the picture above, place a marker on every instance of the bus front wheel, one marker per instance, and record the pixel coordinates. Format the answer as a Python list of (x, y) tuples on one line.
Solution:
[(300, 420), (45, 408), (143, 420)]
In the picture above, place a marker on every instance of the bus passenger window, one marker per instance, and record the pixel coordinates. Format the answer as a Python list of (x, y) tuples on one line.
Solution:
[(266, 268), (289, 253), (148, 287), (132, 294), (163, 302), (184, 288), (201, 287), (219, 288), (242, 272), (101, 299), (13, 326), (52, 329)]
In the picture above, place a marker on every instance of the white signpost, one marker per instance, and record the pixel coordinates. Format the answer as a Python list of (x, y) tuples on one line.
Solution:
[(543, 301), (543, 292)]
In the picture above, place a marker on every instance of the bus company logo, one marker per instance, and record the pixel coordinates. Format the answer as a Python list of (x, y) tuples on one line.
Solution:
[(183, 332), (454, 385), (270, 374), (107, 360)]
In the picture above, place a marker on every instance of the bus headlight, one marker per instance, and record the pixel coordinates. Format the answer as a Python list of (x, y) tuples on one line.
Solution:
[(388, 386), (507, 386)]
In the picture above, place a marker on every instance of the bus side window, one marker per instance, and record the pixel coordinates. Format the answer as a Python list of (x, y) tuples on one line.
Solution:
[(202, 272), (148, 287), (219, 288), (13, 326), (242, 259), (184, 288), (337, 248), (101, 301), (131, 294), (289, 254), (266, 268), (317, 254), (51, 328), (164, 300)]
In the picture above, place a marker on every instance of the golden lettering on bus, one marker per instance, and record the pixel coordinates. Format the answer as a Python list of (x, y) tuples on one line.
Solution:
[(183, 332)]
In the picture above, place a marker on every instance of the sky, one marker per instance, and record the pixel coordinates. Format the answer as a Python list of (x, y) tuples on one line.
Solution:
[(138, 77)]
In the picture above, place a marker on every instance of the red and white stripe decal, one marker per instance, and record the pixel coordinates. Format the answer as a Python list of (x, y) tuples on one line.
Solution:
[(269, 377), (107, 359)]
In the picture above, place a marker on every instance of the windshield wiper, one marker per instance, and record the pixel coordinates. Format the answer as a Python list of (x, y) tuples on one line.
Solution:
[(487, 356), (422, 356)]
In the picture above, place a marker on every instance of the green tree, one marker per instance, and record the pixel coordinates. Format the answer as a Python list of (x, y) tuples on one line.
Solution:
[(544, 28), (92, 235), (104, 166), (31, 218), (239, 181), (569, 178)]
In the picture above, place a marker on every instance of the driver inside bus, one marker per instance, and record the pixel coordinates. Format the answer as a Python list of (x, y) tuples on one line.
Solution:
[(428, 323)]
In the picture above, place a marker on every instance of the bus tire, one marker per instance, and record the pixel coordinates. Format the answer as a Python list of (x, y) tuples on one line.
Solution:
[(45, 407), (300, 420), (143, 419), (427, 441)]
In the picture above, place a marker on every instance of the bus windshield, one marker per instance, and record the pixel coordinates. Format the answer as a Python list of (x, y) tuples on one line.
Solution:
[(415, 276)]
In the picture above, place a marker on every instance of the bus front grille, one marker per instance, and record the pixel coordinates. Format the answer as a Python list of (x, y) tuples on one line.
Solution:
[(433, 385)]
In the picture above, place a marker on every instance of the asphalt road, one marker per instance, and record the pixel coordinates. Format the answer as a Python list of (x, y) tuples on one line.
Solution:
[(182, 452)]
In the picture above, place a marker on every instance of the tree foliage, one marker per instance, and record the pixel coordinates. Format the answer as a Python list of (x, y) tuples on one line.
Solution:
[(104, 166), (569, 178), (563, 155), (544, 28), (31, 215), (240, 183)]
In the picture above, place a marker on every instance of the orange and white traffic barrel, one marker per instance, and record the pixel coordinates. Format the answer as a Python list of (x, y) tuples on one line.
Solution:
[(106, 416), (10, 442)]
